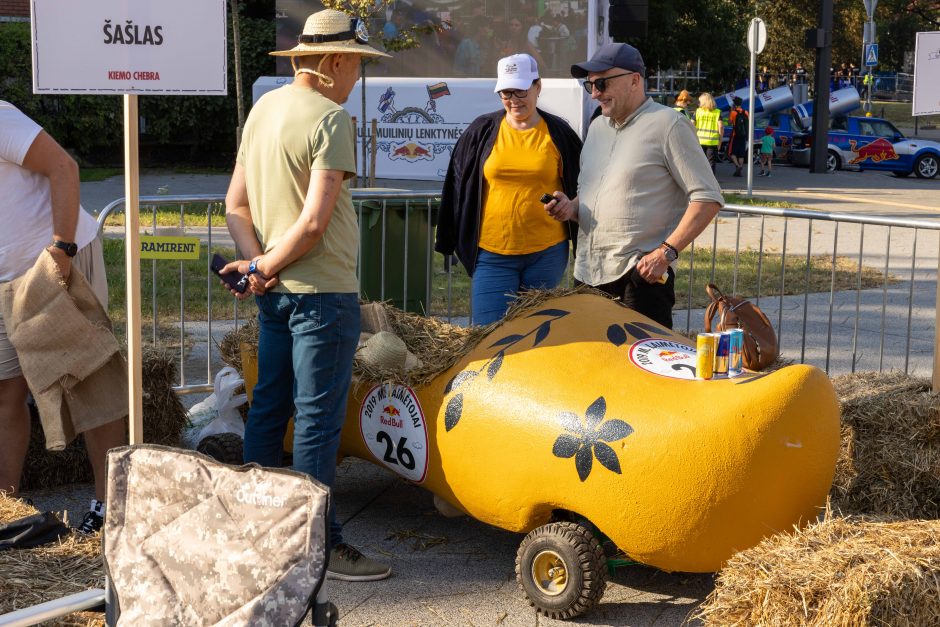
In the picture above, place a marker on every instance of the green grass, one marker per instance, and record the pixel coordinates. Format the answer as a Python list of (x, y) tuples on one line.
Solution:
[(90, 175), (742, 274), (899, 113), (759, 201), (195, 214), (167, 278)]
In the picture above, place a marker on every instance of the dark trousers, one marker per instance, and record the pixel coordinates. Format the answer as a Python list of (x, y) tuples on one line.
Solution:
[(653, 300)]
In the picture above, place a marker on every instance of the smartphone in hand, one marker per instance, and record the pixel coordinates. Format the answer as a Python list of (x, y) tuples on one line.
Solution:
[(234, 280), (546, 198)]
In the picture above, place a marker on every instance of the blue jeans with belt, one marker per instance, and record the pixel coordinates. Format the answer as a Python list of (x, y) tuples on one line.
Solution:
[(305, 357), (498, 278)]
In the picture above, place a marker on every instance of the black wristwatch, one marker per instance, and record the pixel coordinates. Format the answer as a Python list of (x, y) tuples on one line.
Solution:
[(70, 248), (670, 252)]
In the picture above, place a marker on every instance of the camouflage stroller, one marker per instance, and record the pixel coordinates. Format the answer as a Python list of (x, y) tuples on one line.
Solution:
[(189, 541)]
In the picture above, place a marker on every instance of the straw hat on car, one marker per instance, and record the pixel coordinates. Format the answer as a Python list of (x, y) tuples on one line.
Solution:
[(387, 351), (331, 32)]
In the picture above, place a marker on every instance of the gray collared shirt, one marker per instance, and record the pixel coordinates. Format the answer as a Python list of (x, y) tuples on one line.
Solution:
[(637, 179)]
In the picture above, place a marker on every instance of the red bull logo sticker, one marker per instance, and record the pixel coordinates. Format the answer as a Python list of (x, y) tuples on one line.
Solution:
[(392, 425), (877, 151), (411, 151), (666, 358)]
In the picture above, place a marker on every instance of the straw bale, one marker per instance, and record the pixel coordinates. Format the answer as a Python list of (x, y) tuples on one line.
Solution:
[(889, 461), (32, 576), (164, 418), (230, 346), (840, 571)]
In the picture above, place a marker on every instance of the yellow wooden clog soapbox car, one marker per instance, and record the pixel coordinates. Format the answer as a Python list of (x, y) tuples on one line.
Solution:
[(582, 421)]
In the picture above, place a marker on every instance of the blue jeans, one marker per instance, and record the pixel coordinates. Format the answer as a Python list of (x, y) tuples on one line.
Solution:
[(305, 358), (497, 278)]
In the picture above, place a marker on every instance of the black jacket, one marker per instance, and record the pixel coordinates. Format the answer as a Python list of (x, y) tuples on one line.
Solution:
[(458, 228)]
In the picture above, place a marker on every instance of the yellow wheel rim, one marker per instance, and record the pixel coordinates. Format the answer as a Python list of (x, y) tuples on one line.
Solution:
[(549, 573)]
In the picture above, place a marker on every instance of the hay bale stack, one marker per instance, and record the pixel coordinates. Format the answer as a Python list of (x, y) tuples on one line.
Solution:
[(841, 571), (890, 458), (164, 419), (37, 575), (230, 346)]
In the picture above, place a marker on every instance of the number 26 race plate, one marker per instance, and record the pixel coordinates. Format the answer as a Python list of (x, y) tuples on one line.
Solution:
[(393, 427)]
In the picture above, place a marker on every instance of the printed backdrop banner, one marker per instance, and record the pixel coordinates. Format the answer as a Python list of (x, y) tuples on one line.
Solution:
[(926, 71), (119, 47), (419, 120)]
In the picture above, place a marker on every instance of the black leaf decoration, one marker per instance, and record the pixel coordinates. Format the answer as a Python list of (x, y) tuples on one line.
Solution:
[(453, 412), (595, 413), (616, 335), (607, 457), (558, 313), (613, 430), (509, 339), (566, 446), (651, 328), (495, 365), (542, 333), (571, 422), (584, 461), (636, 331), (459, 379)]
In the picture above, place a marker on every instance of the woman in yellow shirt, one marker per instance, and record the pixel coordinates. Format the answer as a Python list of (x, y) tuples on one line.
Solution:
[(492, 216)]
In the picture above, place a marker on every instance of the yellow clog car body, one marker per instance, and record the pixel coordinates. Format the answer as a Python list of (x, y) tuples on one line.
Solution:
[(584, 410)]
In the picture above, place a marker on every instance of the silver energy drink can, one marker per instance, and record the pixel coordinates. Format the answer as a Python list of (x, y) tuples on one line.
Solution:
[(705, 346), (722, 353), (736, 353)]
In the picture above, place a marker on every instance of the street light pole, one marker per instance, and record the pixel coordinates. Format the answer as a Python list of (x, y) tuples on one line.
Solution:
[(868, 37), (821, 39)]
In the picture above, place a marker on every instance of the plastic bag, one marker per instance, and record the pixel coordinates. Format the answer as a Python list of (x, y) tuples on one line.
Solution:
[(218, 412)]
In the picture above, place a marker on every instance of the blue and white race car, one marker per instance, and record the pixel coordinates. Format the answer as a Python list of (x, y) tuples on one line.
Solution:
[(871, 144)]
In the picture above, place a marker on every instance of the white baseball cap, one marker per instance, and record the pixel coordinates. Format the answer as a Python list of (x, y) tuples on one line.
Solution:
[(516, 71)]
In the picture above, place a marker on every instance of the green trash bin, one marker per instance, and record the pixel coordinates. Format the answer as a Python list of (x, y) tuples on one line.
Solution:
[(407, 268)]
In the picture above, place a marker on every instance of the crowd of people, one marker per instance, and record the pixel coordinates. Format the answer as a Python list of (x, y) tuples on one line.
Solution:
[(846, 75)]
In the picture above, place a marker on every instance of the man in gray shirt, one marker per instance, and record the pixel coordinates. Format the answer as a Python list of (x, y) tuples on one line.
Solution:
[(645, 190)]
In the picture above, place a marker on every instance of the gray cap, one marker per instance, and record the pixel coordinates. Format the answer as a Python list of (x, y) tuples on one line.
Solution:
[(608, 56)]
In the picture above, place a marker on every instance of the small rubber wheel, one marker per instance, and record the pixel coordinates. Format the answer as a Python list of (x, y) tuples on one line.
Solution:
[(927, 166), (223, 447), (561, 569), (833, 161)]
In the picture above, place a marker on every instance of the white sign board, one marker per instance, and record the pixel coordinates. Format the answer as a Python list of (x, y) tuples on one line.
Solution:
[(926, 71), (129, 47), (756, 36), (420, 119)]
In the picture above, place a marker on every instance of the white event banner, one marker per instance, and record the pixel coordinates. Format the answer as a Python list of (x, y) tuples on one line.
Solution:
[(175, 47), (418, 120), (926, 72)]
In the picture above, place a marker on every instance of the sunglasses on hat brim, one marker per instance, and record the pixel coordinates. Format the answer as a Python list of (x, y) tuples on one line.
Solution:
[(357, 30)]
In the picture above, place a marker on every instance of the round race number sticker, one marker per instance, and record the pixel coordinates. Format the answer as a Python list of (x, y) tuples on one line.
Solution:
[(393, 427), (664, 357)]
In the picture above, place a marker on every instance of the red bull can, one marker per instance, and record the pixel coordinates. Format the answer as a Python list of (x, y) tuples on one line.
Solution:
[(736, 353), (705, 346), (721, 354)]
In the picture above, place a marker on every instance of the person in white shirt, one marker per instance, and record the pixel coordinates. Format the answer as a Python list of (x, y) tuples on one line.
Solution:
[(40, 204)]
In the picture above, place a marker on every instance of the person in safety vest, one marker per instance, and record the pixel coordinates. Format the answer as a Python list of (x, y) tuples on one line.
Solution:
[(683, 100), (708, 126)]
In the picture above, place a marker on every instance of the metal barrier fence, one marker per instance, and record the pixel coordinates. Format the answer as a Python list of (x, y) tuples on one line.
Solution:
[(875, 310)]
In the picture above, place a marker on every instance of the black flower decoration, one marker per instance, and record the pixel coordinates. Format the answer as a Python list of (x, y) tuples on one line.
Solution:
[(589, 439)]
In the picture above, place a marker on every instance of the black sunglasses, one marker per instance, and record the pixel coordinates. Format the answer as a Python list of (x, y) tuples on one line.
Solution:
[(601, 83)]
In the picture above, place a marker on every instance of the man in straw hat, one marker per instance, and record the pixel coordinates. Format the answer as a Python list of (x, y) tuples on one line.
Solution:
[(645, 190), (290, 212)]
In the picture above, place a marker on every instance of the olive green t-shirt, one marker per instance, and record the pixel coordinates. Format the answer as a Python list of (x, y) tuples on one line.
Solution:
[(290, 132)]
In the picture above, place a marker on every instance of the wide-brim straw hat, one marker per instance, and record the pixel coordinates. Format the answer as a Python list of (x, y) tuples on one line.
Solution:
[(387, 351), (330, 32)]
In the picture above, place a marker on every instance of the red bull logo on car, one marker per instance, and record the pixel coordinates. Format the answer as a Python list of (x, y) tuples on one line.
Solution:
[(879, 150)]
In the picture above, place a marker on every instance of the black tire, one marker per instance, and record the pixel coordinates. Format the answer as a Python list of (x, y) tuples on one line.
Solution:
[(833, 161), (223, 447), (561, 569), (926, 166)]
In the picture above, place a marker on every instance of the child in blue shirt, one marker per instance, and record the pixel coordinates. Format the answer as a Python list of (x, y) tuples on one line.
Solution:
[(767, 144)]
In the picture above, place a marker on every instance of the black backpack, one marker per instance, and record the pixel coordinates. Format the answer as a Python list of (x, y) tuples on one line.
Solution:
[(740, 123)]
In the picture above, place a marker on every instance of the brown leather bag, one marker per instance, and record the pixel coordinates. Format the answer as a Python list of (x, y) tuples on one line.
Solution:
[(760, 341)]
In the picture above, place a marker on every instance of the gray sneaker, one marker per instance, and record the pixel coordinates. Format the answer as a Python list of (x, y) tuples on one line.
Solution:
[(348, 564)]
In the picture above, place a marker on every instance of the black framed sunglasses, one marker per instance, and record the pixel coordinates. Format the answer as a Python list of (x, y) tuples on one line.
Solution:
[(601, 83), (506, 94)]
